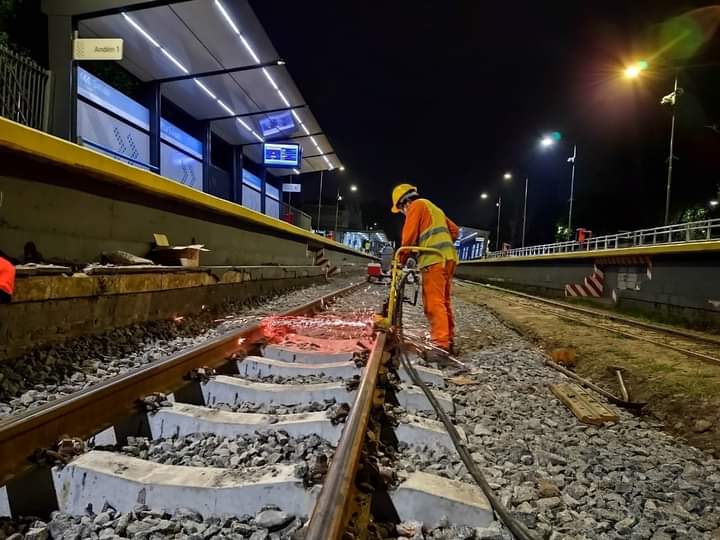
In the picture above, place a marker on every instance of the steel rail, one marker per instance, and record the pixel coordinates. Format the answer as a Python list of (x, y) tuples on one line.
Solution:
[(85, 413), (331, 514), (660, 329)]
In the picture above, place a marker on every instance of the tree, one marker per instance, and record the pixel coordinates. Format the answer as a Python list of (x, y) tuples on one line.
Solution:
[(561, 232), (693, 213)]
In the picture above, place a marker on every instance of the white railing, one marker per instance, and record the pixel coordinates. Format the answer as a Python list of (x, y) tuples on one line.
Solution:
[(25, 90), (695, 231), (295, 216)]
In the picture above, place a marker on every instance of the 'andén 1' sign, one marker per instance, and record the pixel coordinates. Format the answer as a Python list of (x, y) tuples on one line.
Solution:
[(97, 49)]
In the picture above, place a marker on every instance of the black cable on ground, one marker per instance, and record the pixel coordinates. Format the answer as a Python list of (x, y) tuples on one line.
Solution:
[(516, 528)]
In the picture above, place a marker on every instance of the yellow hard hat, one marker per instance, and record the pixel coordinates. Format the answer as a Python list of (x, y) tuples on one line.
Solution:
[(398, 193)]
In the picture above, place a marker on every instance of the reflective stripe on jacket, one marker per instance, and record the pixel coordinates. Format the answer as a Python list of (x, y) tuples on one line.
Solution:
[(427, 226), (7, 276)]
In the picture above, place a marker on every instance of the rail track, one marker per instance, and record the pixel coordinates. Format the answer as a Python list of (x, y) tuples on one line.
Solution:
[(359, 495), (693, 344)]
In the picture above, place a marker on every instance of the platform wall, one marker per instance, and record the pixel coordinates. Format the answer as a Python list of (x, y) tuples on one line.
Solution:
[(682, 287), (67, 223)]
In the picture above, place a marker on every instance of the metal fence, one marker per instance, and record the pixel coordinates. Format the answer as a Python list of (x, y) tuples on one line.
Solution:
[(296, 217), (25, 90), (695, 231)]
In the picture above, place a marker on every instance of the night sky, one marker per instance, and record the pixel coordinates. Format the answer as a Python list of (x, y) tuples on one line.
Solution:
[(450, 95)]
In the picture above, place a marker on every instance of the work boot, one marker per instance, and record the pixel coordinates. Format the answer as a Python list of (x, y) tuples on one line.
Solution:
[(438, 356)]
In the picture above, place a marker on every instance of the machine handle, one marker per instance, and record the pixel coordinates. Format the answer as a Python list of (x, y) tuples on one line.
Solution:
[(396, 257)]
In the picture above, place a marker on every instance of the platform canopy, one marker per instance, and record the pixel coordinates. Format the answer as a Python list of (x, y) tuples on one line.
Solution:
[(216, 62)]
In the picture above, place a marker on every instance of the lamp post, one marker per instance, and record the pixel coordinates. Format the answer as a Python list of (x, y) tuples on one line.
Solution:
[(572, 189), (353, 188), (320, 198), (497, 236), (525, 211), (633, 72), (670, 99), (547, 142), (341, 168)]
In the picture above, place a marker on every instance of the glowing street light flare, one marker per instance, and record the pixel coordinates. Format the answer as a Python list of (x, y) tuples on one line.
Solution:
[(714, 203), (507, 176), (633, 71), (483, 195), (547, 141), (342, 167), (353, 188)]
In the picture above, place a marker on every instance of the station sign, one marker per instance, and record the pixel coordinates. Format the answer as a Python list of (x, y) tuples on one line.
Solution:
[(291, 188), (97, 49)]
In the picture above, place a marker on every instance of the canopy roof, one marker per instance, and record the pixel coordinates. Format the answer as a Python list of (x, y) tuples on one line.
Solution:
[(216, 62)]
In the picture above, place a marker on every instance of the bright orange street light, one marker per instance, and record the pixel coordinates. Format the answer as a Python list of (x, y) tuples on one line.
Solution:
[(633, 71)]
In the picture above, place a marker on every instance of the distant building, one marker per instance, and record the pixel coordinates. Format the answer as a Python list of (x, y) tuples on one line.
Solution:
[(471, 243)]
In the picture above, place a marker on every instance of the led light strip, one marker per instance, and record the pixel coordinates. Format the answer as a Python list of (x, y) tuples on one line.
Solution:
[(182, 68), (254, 56), (209, 92)]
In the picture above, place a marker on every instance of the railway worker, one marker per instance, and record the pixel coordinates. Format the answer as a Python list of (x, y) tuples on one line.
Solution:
[(7, 279), (426, 225)]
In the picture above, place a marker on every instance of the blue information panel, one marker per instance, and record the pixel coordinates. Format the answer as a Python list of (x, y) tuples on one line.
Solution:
[(281, 155)]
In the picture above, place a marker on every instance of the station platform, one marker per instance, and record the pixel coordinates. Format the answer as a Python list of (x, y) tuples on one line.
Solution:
[(74, 203)]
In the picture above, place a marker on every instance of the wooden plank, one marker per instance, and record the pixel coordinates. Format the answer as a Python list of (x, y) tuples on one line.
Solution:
[(584, 406)]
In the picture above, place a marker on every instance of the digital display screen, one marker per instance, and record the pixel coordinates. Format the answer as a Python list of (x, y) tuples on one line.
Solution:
[(281, 155), (276, 124)]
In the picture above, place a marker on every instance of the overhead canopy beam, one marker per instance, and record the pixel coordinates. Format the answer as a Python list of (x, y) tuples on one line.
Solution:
[(224, 71), (256, 113), (284, 138), (139, 6), (319, 155)]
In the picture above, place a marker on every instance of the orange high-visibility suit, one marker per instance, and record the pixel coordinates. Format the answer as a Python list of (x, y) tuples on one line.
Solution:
[(7, 280), (428, 226)]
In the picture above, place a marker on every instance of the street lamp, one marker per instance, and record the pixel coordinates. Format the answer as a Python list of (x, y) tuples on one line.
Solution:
[(339, 198), (497, 237), (342, 168), (507, 176), (633, 71), (498, 204), (671, 100), (714, 203), (546, 142)]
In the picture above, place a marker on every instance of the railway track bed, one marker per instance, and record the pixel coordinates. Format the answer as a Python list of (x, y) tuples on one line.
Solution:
[(209, 461), (243, 452)]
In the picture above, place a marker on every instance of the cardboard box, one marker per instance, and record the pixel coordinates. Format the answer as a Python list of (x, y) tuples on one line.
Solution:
[(167, 255)]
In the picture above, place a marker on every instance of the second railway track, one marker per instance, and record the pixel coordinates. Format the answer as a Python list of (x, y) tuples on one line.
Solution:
[(699, 346)]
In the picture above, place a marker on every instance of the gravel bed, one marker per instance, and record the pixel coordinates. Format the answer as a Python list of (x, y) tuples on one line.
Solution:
[(145, 524), (275, 409), (245, 453), (443, 530), (368, 299), (50, 372), (562, 478)]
